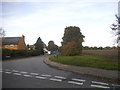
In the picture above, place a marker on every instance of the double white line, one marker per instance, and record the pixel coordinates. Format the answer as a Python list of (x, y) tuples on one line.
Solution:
[(34, 73), (45, 75), (99, 84), (58, 78), (16, 73), (27, 75), (77, 81)]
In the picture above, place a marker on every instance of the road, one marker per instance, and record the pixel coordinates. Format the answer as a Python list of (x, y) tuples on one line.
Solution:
[(33, 73)]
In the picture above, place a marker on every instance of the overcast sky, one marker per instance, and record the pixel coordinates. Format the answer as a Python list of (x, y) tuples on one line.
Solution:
[(48, 18)]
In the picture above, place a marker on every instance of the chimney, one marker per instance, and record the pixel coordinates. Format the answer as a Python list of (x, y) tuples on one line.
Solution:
[(23, 36)]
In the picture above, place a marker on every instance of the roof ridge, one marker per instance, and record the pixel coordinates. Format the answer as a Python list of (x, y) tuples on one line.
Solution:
[(11, 37)]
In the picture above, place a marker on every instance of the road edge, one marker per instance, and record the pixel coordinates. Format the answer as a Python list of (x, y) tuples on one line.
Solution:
[(68, 68)]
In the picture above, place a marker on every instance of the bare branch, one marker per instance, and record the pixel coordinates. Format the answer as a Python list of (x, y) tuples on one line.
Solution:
[(114, 25), (113, 28), (2, 32)]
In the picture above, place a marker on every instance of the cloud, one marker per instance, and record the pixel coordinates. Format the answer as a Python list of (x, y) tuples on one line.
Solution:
[(48, 22), (60, 0)]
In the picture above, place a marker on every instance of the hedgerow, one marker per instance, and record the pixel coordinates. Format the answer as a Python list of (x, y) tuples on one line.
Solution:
[(7, 54)]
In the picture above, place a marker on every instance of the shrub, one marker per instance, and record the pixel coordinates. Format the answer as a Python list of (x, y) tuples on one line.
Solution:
[(71, 49), (19, 53), (34, 53), (5, 53)]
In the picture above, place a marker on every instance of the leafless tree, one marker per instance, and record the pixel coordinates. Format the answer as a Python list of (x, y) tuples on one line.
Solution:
[(2, 32), (116, 27)]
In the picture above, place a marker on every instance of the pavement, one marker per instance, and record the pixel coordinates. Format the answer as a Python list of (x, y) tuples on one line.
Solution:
[(107, 75)]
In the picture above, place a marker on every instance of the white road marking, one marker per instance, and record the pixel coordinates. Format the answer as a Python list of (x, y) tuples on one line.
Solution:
[(45, 75), (116, 85), (23, 72), (60, 77), (16, 73), (40, 77), (75, 82), (58, 80), (99, 86), (27, 75), (81, 80), (100, 83), (34, 73), (8, 72)]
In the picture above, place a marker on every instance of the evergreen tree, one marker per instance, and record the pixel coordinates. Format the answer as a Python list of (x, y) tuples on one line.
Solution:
[(39, 45)]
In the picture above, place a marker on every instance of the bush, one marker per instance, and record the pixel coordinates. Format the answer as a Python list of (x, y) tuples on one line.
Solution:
[(33, 52), (5, 53), (16, 53), (71, 49), (19, 53)]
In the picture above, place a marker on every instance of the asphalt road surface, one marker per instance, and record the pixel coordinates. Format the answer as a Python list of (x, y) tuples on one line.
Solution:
[(33, 73)]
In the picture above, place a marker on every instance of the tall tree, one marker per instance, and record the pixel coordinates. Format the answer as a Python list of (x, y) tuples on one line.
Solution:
[(52, 46), (72, 33), (72, 41), (39, 45)]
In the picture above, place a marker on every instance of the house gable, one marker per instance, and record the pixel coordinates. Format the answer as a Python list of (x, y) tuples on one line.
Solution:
[(21, 43), (13, 43)]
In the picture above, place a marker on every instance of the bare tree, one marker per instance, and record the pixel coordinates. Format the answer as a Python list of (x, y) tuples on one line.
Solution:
[(2, 32), (116, 27)]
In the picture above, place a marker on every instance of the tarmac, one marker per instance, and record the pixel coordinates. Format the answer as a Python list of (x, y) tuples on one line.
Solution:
[(106, 75)]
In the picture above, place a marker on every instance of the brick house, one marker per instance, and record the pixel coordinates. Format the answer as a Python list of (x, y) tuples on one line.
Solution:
[(17, 43)]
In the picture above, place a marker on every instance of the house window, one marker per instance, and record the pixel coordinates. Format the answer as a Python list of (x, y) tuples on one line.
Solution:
[(11, 46), (6, 46)]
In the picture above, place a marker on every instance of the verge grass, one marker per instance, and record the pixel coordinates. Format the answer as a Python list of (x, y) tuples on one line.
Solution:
[(87, 61)]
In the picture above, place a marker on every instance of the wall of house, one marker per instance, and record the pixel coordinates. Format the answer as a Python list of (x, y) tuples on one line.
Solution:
[(21, 44), (9, 47)]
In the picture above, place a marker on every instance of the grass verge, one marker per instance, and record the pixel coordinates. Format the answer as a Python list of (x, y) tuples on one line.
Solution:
[(87, 61)]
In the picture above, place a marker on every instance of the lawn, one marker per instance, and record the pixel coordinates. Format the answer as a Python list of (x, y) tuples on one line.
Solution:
[(87, 61)]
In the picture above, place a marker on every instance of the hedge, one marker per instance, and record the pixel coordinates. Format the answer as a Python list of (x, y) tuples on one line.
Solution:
[(7, 54)]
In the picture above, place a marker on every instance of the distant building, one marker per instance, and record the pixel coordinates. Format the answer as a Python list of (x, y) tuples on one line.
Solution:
[(31, 47), (17, 43)]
